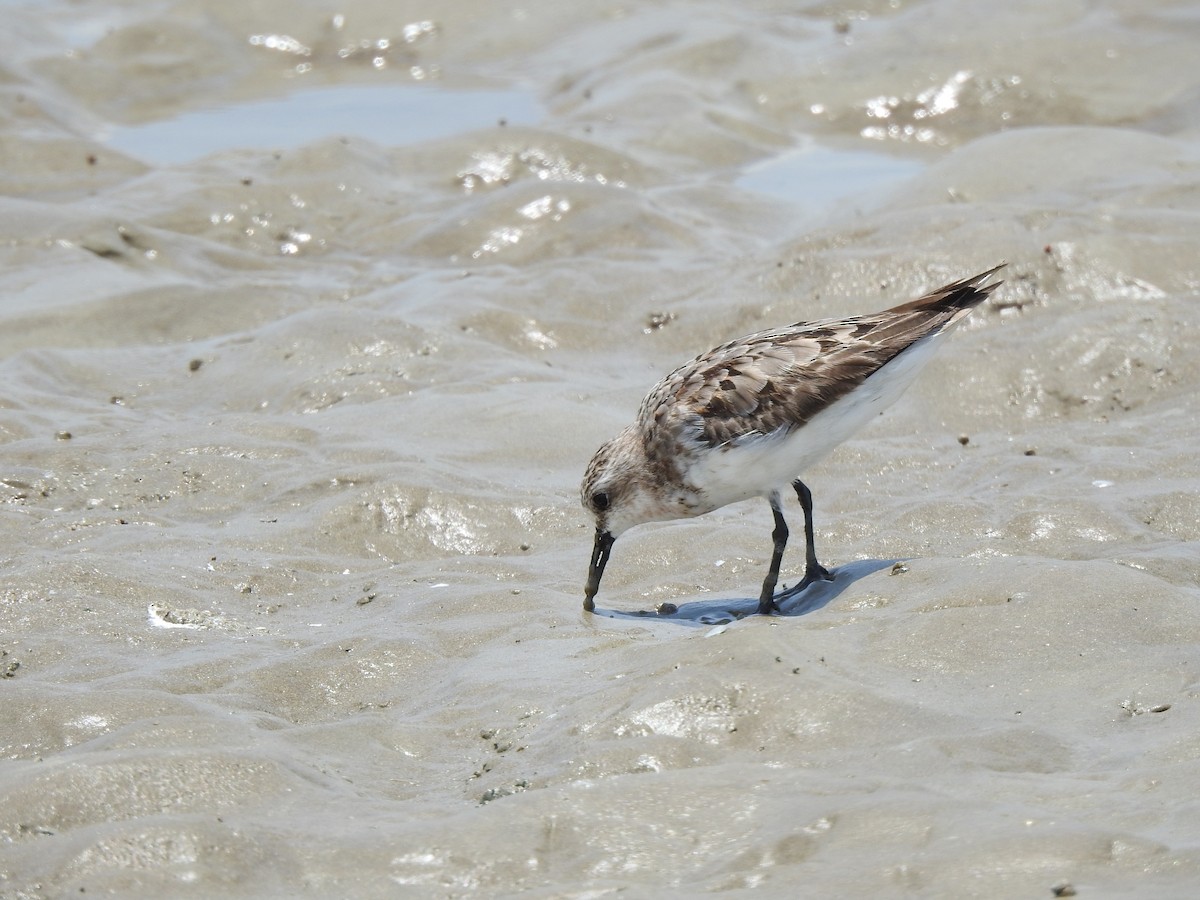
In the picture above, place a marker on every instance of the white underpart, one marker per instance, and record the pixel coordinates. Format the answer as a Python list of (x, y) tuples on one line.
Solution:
[(756, 466)]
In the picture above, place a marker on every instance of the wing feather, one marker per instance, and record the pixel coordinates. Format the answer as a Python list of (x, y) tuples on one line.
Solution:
[(779, 379)]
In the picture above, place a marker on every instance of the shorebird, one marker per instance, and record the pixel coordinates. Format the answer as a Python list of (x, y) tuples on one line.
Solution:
[(747, 418)]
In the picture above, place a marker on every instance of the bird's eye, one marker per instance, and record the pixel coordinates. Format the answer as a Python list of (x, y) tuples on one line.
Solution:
[(600, 501)]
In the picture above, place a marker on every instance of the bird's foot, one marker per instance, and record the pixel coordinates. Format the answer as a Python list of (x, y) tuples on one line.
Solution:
[(767, 606), (812, 575), (817, 572)]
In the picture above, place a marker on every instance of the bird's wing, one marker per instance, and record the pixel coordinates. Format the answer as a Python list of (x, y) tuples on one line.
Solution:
[(761, 383), (779, 379)]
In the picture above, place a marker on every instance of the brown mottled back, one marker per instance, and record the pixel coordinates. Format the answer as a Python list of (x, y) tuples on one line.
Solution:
[(780, 378)]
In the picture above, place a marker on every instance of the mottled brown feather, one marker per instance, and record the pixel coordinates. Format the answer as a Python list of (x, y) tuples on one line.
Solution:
[(780, 378)]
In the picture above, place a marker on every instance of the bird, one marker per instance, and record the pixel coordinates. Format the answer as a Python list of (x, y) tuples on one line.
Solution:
[(748, 418)]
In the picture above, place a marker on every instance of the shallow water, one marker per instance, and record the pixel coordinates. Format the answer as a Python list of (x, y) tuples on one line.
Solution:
[(297, 395), (395, 115)]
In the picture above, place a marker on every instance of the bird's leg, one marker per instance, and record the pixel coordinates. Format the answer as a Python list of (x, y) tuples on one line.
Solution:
[(813, 570), (766, 600)]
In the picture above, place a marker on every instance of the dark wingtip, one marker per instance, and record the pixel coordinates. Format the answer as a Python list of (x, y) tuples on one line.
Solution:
[(970, 288), (985, 289), (958, 295)]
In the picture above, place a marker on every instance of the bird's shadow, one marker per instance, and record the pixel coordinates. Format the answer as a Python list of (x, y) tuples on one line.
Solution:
[(721, 612)]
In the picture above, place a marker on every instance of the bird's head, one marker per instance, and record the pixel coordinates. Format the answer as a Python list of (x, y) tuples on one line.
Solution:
[(619, 491)]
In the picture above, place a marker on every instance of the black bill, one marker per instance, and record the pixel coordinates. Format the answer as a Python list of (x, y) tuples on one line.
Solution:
[(600, 551)]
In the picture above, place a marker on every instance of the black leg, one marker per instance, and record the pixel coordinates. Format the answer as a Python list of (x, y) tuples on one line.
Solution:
[(766, 600), (813, 570)]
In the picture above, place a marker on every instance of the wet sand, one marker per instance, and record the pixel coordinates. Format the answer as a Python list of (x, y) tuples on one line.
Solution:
[(310, 326)]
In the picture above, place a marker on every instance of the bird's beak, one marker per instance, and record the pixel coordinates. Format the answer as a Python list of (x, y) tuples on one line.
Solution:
[(600, 551)]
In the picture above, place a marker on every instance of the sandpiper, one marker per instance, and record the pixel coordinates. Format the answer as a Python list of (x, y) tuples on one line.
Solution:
[(747, 418)]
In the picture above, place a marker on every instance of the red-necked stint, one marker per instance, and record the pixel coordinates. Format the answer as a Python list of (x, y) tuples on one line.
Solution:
[(747, 418)]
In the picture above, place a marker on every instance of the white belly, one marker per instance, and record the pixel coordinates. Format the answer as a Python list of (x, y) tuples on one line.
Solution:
[(757, 466)]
